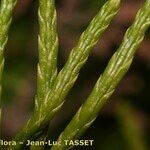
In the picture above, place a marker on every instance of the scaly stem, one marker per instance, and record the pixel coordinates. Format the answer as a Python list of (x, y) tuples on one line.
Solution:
[(48, 48), (6, 8), (54, 99), (106, 84)]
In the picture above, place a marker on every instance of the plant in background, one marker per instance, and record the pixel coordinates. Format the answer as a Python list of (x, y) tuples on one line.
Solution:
[(130, 125), (6, 8), (52, 88)]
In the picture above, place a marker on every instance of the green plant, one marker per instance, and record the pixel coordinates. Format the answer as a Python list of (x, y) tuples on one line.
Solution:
[(106, 84), (52, 88), (48, 47), (54, 98)]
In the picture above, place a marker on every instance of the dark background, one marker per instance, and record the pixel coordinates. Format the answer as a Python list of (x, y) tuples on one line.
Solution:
[(124, 122)]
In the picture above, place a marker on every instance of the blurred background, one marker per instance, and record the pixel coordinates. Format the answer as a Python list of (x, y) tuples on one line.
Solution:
[(124, 122)]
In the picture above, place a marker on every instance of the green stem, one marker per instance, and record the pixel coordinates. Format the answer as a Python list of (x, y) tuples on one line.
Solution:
[(54, 99), (6, 8), (106, 84), (48, 48)]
